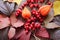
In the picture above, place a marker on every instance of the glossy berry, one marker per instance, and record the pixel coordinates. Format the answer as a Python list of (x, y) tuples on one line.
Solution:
[(41, 1), (32, 1), (18, 11), (31, 5), (50, 3), (36, 5), (28, 1), (36, 1)]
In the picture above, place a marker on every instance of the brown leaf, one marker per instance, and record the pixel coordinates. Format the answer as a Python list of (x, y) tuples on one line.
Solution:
[(51, 25), (11, 33), (42, 33), (16, 22)]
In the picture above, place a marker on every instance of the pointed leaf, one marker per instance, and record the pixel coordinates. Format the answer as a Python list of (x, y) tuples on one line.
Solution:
[(51, 25), (24, 36), (16, 22), (42, 33), (11, 33)]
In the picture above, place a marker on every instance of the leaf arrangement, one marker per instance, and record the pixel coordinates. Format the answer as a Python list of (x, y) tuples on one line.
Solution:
[(33, 20)]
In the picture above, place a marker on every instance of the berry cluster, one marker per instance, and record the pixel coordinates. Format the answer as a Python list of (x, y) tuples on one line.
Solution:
[(36, 19), (34, 22)]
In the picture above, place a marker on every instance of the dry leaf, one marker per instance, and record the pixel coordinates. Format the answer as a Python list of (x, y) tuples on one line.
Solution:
[(51, 25)]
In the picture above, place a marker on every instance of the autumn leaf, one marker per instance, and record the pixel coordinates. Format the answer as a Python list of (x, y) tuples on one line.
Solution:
[(56, 7)]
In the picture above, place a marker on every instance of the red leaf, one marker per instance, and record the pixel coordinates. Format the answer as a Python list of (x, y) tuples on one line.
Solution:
[(16, 22), (42, 33), (22, 35), (4, 21)]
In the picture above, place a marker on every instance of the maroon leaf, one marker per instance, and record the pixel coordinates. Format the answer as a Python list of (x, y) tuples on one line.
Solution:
[(16, 22), (25, 36), (4, 21), (42, 33), (22, 35)]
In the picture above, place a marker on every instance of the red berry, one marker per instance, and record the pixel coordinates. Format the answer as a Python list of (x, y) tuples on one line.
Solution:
[(38, 16), (28, 1), (30, 28), (32, 23), (41, 1), (33, 11), (33, 29), (50, 3), (32, 1), (25, 3), (36, 1), (26, 31), (36, 5), (31, 5), (32, 18), (28, 20)]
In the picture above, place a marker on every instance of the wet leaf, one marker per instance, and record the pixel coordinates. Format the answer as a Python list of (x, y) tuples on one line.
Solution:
[(56, 10), (16, 22), (49, 17), (11, 33), (51, 25), (42, 33)]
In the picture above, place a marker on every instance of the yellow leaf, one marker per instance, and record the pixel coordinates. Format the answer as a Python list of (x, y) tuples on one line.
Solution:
[(17, 1), (56, 7)]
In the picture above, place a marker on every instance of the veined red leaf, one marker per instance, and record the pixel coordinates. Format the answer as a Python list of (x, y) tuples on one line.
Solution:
[(42, 33), (25, 36)]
